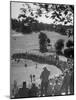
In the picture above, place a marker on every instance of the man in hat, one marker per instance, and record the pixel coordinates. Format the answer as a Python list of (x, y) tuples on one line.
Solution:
[(44, 83)]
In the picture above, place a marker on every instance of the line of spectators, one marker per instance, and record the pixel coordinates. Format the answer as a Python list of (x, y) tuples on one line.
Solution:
[(45, 89)]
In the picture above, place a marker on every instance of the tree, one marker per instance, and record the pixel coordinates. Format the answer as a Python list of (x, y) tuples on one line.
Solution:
[(70, 43), (60, 13), (59, 45), (27, 24), (43, 42), (63, 13), (32, 14), (69, 52), (15, 24)]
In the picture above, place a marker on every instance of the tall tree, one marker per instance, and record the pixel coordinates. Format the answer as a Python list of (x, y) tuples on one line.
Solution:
[(59, 45), (43, 41)]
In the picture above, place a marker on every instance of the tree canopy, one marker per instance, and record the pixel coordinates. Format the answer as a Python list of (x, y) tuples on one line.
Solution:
[(59, 13)]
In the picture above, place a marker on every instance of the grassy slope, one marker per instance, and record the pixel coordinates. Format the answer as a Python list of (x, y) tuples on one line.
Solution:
[(21, 43)]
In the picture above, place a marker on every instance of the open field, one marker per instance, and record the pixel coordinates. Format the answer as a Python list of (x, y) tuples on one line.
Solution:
[(22, 43), (21, 73)]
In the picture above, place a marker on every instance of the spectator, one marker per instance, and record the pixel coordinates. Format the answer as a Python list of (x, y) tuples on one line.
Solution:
[(44, 84), (66, 82), (15, 89), (23, 92), (33, 91)]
